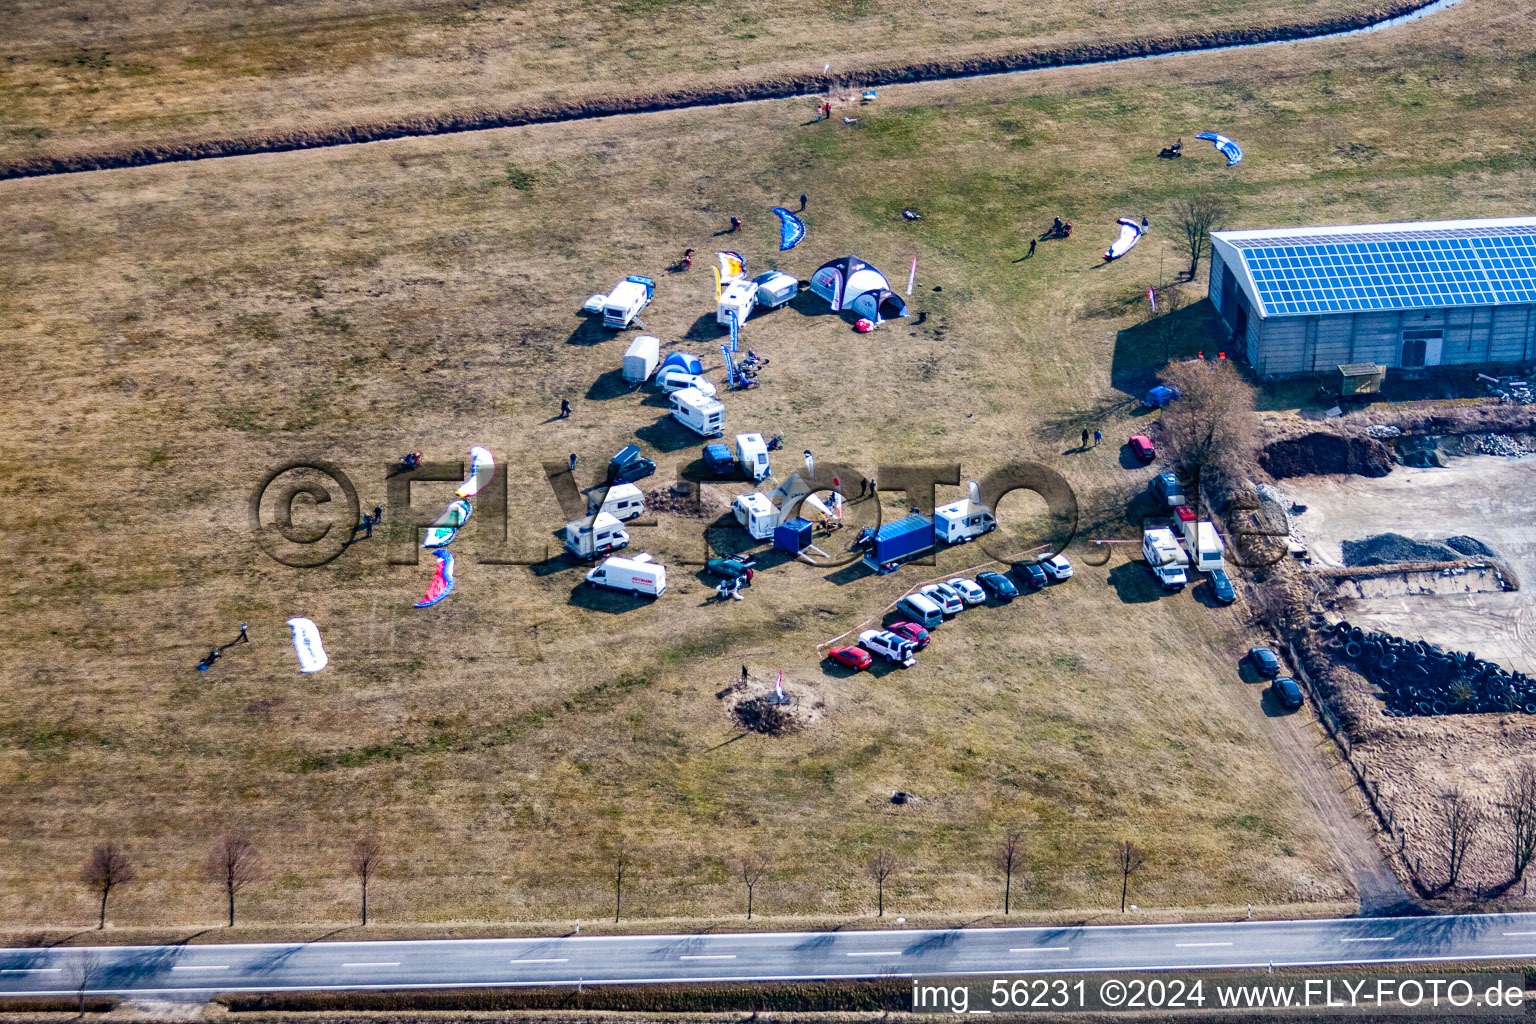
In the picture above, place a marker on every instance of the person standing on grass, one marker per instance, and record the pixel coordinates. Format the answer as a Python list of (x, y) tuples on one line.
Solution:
[(565, 408), (1031, 249), (573, 462), (735, 224), (1098, 435), (1085, 437), (743, 673), (243, 638), (802, 201)]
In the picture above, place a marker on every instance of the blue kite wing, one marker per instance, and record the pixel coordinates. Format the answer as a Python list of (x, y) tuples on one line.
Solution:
[(1229, 149), (791, 228)]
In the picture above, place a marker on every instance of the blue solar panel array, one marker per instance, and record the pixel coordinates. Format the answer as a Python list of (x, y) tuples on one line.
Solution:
[(1399, 270)]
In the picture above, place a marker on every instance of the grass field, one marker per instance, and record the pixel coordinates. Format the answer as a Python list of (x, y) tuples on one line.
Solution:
[(103, 77), (172, 333)]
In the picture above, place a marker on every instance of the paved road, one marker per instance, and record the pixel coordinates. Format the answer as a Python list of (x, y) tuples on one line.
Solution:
[(763, 956)]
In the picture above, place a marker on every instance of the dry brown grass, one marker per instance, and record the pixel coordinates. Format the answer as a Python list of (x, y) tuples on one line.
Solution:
[(80, 74), (173, 332)]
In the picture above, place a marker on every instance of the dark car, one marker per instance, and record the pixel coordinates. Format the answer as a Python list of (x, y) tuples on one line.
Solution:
[(1287, 693), (719, 461), (731, 568), (1030, 574), (1265, 661), (856, 658), (629, 465), (1143, 447), (1167, 489), (1159, 397), (997, 585), (910, 631), (1221, 586)]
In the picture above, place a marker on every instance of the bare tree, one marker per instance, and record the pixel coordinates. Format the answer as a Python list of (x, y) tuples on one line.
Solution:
[(1460, 822), (1128, 859), (107, 868), (1010, 861), (1194, 219), (750, 869), (1517, 818), (366, 854), (1211, 425), (233, 863), (620, 862), (879, 868), (83, 970)]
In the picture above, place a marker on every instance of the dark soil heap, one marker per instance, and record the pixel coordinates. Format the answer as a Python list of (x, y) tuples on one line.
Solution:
[(1322, 453)]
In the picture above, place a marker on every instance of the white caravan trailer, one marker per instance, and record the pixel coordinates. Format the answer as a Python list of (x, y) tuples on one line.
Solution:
[(752, 456)]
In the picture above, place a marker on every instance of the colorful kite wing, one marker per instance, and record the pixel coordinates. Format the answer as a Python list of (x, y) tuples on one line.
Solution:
[(482, 467), (791, 228), (1130, 234), (442, 583), (306, 644), (731, 264), (446, 526), (1229, 149)]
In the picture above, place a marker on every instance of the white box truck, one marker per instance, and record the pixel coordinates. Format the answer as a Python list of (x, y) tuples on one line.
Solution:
[(639, 575), (595, 535), (622, 501), (752, 456), (698, 412), (1165, 556), (640, 358), (962, 521)]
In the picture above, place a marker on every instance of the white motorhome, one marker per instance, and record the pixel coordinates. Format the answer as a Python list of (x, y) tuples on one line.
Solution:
[(624, 303), (595, 535), (757, 514), (640, 358), (675, 378), (622, 501), (639, 575), (962, 521), (698, 412), (752, 456), (739, 296), (1165, 556)]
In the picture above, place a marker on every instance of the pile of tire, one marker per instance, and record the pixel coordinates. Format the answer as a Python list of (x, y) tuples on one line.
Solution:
[(1418, 678)]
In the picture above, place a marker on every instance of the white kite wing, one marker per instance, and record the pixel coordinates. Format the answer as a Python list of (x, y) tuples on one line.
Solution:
[(306, 644), (1130, 234), (482, 466)]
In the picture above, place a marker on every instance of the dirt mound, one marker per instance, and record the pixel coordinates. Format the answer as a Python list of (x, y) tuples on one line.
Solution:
[(698, 503), (755, 705), (1323, 453), (1392, 548)]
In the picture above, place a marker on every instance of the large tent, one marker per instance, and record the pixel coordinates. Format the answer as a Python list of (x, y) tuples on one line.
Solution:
[(850, 283)]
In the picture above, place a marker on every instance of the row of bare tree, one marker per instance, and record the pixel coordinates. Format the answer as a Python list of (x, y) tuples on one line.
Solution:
[(232, 864), (1510, 821)]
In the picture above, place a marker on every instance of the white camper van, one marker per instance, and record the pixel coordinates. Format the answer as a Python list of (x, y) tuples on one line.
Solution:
[(698, 412), (639, 575), (622, 501), (595, 535), (752, 456), (962, 520), (640, 358), (675, 378), (1165, 556)]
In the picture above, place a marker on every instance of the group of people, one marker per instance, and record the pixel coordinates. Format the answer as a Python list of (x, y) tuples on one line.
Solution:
[(1098, 435)]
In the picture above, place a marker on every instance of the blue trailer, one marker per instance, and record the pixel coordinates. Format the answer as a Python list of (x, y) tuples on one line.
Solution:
[(793, 536), (898, 542)]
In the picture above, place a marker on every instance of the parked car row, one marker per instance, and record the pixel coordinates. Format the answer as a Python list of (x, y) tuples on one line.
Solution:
[(1267, 665), (932, 604)]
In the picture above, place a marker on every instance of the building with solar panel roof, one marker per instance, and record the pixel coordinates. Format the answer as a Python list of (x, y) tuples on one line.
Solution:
[(1404, 296)]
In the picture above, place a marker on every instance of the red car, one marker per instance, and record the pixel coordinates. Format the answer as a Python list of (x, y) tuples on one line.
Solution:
[(910, 631), (1142, 445), (856, 658)]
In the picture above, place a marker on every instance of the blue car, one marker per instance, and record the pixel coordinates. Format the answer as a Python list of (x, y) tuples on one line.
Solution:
[(997, 585), (1287, 693), (1030, 575), (1265, 661), (1159, 396), (719, 461), (1221, 587)]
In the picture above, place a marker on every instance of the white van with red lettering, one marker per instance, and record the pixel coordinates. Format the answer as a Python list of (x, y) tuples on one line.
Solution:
[(639, 575)]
